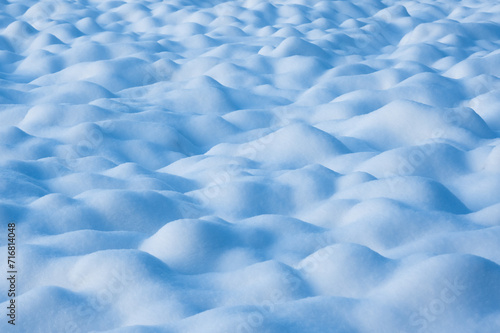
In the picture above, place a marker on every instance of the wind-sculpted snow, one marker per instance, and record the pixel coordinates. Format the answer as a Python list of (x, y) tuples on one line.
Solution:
[(251, 165)]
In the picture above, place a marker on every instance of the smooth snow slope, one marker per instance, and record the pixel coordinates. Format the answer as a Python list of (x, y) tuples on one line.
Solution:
[(251, 166)]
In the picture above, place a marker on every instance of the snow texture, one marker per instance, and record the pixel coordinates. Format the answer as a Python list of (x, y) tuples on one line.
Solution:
[(244, 166)]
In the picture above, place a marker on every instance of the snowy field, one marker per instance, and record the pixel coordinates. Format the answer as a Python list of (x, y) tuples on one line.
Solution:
[(280, 166)]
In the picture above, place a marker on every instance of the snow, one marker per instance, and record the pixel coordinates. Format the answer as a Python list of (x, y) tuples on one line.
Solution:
[(251, 166)]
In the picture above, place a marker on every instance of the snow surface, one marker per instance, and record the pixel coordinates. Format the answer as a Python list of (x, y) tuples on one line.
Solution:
[(251, 166)]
